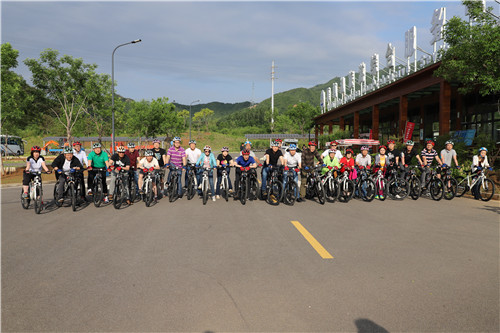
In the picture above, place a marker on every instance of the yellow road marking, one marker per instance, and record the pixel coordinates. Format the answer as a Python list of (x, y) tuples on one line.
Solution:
[(314, 243)]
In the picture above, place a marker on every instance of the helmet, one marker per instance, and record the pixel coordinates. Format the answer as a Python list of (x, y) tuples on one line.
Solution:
[(449, 142), (245, 152), (36, 148), (409, 143), (176, 139), (293, 146), (149, 153), (77, 143), (349, 150), (225, 149), (279, 140), (390, 141), (120, 149), (483, 148), (382, 147), (248, 143), (96, 145), (430, 142), (365, 148), (131, 145), (68, 150), (334, 142), (156, 141), (192, 141), (312, 143), (275, 144), (207, 148), (330, 151)]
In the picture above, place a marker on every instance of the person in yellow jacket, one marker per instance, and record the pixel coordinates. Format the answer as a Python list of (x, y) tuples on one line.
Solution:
[(330, 161)]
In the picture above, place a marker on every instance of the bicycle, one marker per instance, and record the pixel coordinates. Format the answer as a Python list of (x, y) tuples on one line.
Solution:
[(173, 184), (205, 184), (242, 190), (413, 182), (147, 186), (380, 183), (346, 186), (290, 190), (398, 187), (450, 183), (224, 183), (314, 186), (97, 190), (274, 188), (192, 183), (331, 185), (365, 186), (254, 191), (35, 192), (131, 185), (486, 187), (121, 189), (70, 189), (434, 185)]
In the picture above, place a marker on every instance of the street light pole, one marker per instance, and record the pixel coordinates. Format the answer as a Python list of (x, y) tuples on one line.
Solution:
[(197, 101), (113, 92)]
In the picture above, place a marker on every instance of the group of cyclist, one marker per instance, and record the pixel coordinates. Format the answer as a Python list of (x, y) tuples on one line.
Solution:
[(177, 159)]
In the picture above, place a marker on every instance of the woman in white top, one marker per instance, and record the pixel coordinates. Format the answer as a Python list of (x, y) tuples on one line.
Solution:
[(480, 160), (34, 163)]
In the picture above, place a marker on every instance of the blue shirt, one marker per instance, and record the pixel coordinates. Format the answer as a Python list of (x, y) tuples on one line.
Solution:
[(241, 161)]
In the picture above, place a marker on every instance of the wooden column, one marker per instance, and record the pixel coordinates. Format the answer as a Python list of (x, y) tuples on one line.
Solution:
[(342, 124), (321, 126), (403, 114), (422, 118), (444, 108), (330, 127), (375, 122), (458, 124), (316, 134), (356, 125)]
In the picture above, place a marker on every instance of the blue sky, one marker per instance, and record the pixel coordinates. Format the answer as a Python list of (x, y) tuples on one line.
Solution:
[(214, 51)]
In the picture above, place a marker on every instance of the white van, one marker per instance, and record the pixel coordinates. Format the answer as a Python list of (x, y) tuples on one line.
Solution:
[(11, 145)]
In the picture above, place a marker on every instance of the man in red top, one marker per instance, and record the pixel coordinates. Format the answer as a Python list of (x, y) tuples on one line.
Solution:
[(133, 155)]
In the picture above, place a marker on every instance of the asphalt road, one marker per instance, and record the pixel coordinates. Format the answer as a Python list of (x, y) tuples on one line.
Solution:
[(184, 267)]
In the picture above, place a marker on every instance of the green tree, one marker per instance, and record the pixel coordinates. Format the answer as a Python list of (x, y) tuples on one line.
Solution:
[(72, 84), (302, 114), (203, 117), (184, 115), (154, 118), (473, 56)]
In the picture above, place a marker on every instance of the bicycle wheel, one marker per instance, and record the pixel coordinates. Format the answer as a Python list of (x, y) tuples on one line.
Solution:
[(331, 190), (97, 193), (450, 188), (205, 192), (243, 192), (118, 195), (172, 189), (190, 191), (320, 192), (347, 190), (462, 186), (253, 191), (132, 191), (72, 194), (58, 204), (367, 190), (148, 194), (274, 193), (37, 202), (289, 195), (436, 189), (486, 190), (415, 189), (25, 202), (225, 190), (380, 188), (398, 189)]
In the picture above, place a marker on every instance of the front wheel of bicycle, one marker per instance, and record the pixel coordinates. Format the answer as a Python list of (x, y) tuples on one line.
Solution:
[(398, 189), (243, 192), (37, 202), (98, 195), (25, 202), (118, 195), (366, 189), (274, 194), (72, 194), (346, 190), (331, 190), (486, 190), (462, 186), (381, 188), (225, 190), (415, 189), (436, 189), (289, 195), (172, 189), (450, 188), (205, 193)]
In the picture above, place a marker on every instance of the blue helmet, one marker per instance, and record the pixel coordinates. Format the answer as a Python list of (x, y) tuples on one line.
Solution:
[(483, 148), (248, 143), (176, 139), (293, 146)]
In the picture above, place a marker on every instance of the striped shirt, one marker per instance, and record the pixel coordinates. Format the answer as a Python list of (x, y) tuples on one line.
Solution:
[(429, 156), (176, 156)]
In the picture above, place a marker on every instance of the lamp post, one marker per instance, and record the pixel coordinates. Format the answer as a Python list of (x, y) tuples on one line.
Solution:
[(197, 101), (113, 92)]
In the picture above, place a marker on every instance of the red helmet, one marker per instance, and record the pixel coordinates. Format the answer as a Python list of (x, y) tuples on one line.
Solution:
[(390, 141), (77, 143), (430, 142), (245, 152), (36, 148), (334, 142), (312, 143), (382, 147), (279, 140), (349, 150)]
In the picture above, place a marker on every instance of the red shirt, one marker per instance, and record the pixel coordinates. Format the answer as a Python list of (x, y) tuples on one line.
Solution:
[(133, 158), (345, 163)]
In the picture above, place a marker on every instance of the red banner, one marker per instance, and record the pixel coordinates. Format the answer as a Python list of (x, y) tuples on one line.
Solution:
[(409, 130)]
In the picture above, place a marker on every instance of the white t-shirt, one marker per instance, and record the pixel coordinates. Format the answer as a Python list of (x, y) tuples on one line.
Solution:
[(66, 166), (145, 164), (35, 166), (292, 161), (82, 156), (192, 156), (338, 154), (364, 161)]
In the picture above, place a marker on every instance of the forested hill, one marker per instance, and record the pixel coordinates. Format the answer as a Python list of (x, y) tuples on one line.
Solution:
[(220, 109)]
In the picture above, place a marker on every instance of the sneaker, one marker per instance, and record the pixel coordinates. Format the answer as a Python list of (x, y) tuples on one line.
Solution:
[(199, 187), (106, 200), (217, 196), (377, 197), (89, 192), (398, 196), (129, 202), (381, 197), (61, 200), (25, 195), (213, 198), (141, 192)]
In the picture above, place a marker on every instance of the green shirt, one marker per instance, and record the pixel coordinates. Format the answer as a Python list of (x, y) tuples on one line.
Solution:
[(98, 161), (333, 163)]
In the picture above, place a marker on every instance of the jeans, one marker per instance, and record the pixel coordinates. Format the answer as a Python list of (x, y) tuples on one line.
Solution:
[(424, 174), (265, 172), (60, 186), (210, 180), (219, 180), (136, 177), (295, 177), (179, 179)]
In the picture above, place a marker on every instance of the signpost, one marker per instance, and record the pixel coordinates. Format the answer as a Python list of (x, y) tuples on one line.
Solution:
[(409, 131)]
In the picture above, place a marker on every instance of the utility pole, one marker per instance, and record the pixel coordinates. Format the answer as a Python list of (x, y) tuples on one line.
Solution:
[(272, 98)]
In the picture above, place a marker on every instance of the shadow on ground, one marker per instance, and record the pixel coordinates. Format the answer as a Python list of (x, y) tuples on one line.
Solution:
[(367, 326)]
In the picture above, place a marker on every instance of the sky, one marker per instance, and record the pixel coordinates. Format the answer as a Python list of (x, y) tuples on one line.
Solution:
[(218, 51)]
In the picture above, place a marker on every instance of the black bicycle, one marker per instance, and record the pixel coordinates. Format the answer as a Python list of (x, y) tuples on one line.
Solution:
[(172, 188), (71, 189), (450, 183), (433, 185), (35, 192), (365, 186), (121, 192), (191, 182), (398, 187), (413, 181), (314, 185), (131, 185), (224, 183), (274, 188), (97, 190), (291, 189), (242, 190)]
